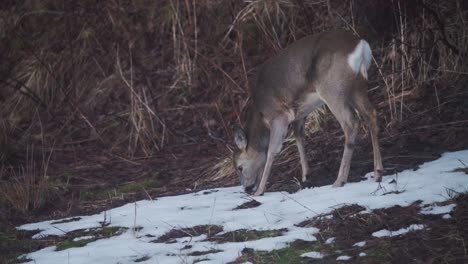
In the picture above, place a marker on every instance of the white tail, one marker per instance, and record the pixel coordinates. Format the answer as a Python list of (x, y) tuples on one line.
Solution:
[(360, 59), (328, 68)]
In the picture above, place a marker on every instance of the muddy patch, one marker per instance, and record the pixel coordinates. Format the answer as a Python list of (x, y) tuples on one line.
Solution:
[(201, 253), (173, 234), (249, 204), (243, 235), (347, 231), (81, 238)]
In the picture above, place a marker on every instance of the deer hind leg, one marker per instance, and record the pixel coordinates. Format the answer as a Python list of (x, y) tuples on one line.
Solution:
[(369, 115), (344, 113), (299, 135)]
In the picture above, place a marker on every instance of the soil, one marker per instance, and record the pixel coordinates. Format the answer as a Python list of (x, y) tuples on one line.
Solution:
[(438, 242), (208, 230)]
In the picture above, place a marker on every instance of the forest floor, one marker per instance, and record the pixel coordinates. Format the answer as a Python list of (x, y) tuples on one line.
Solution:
[(415, 215)]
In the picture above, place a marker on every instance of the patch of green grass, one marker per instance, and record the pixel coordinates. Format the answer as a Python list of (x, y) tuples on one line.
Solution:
[(14, 242), (285, 255), (137, 186), (380, 252), (73, 219), (243, 235), (288, 255), (151, 181), (108, 231), (255, 235), (95, 193), (99, 232), (96, 233), (72, 244)]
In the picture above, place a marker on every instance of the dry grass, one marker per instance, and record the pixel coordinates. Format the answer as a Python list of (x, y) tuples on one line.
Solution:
[(418, 57), (222, 169), (28, 187), (132, 78)]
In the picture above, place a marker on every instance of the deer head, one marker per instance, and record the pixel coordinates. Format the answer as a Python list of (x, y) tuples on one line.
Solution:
[(248, 160)]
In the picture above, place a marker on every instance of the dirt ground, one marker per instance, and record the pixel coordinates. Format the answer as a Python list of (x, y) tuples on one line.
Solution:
[(439, 242)]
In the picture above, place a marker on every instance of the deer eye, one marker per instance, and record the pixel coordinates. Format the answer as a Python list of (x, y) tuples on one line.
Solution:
[(239, 168)]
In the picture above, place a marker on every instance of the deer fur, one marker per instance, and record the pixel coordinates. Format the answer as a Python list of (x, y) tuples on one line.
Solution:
[(328, 68)]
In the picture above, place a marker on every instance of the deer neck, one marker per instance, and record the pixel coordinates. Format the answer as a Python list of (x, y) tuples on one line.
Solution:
[(256, 130)]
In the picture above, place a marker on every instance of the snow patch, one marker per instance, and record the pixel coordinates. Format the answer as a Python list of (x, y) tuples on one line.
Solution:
[(312, 254), (359, 244), (401, 231), (343, 258), (330, 240), (436, 210), (83, 238), (330, 216)]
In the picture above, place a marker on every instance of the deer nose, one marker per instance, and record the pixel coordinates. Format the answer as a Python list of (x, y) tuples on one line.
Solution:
[(250, 189)]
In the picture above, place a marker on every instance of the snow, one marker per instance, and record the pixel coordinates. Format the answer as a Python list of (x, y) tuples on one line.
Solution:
[(359, 244), (436, 210), (312, 254), (401, 231), (446, 216), (362, 254), (83, 238), (330, 240), (278, 210), (344, 258)]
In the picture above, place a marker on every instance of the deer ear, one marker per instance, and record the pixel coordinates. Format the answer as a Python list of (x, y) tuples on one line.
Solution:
[(240, 138)]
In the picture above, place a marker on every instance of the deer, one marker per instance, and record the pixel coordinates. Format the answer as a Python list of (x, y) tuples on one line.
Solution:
[(328, 68)]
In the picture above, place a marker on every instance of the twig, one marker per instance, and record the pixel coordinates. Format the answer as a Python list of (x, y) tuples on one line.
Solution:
[(379, 187), (294, 200), (212, 211), (462, 162), (27, 92)]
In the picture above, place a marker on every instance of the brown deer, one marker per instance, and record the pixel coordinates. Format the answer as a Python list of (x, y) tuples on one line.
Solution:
[(328, 68)]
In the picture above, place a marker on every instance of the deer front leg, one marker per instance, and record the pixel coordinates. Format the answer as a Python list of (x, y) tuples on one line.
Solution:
[(298, 127), (278, 131)]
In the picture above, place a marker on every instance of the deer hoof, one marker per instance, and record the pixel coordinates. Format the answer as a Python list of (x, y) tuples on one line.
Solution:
[(338, 184), (378, 175), (259, 192)]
